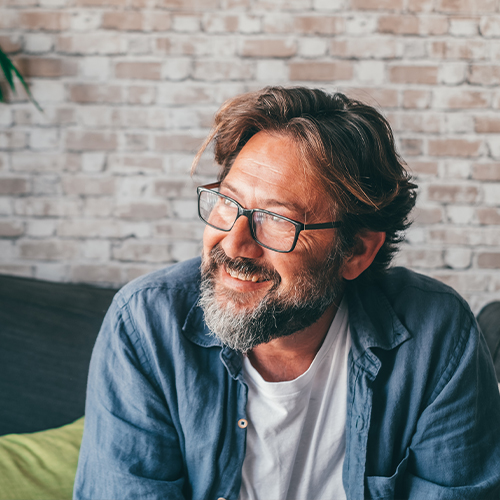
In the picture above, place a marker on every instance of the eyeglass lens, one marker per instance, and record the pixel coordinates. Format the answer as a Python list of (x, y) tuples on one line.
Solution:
[(270, 230)]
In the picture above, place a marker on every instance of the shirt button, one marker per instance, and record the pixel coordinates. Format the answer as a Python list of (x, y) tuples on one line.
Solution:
[(220, 498), (360, 423), (242, 423)]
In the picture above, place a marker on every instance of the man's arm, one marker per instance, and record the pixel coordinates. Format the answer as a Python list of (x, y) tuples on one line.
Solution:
[(130, 448)]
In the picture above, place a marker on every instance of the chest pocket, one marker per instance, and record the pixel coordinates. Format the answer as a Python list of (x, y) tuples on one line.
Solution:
[(382, 487)]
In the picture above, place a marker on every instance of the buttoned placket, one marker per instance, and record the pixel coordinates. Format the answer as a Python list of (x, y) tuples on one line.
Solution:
[(359, 406), (234, 364)]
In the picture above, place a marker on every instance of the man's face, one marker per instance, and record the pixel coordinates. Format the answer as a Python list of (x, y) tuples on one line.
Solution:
[(250, 294)]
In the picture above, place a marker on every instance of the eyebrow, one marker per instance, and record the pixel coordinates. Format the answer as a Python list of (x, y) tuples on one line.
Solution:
[(294, 207)]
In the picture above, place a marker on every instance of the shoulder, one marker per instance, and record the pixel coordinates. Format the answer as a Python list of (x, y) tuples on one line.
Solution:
[(163, 296), (181, 279), (183, 275), (422, 300), (400, 284), (404, 307)]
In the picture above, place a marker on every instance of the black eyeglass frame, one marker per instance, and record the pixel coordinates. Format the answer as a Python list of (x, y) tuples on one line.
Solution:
[(248, 213)]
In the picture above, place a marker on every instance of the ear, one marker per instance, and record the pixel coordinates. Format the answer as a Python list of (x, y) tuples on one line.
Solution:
[(369, 243)]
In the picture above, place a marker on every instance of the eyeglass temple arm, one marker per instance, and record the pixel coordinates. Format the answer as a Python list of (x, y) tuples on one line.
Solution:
[(323, 225), (212, 185)]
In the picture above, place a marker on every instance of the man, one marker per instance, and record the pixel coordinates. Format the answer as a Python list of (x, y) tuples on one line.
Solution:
[(292, 363)]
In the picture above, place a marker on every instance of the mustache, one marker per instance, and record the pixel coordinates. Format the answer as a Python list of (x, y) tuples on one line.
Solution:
[(217, 257)]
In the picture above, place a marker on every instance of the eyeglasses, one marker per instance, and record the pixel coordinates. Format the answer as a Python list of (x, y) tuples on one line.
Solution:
[(268, 229)]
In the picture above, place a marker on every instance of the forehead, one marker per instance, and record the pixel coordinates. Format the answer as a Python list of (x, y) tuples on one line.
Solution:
[(271, 166)]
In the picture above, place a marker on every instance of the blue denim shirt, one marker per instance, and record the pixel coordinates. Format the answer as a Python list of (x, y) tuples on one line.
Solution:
[(164, 398)]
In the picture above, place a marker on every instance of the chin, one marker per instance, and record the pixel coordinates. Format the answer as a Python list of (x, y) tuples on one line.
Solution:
[(238, 301)]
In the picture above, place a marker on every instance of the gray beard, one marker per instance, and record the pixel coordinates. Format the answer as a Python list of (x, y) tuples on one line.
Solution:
[(279, 314)]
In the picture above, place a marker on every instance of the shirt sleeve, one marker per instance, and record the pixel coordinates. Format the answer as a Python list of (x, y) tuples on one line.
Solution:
[(130, 447), (455, 451)]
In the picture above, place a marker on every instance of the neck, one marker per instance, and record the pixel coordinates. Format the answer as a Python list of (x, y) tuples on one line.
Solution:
[(286, 358)]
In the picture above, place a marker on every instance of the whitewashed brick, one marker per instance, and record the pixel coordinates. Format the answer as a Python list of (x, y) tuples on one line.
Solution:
[(45, 162), (142, 251), (415, 235), (491, 193), (100, 207), (53, 3), (101, 274), (5, 116), (47, 207), (48, 91), (95, 68), (8, 251), (185, 250), (44, 139), (138, 45), (13, 139), (271, 71), (330, 5), (186, 23), (458, 257), (185, 209), (460, 214), (96, 250), (459, 123), (281, 22), (372, 72), (312, 47), (4, 162), (464, 26), (452, 73), (493, 143), (41, 228), (46, 185), (489, 26), (134, 187), (5, 206), (415, 48), (16, 269), (457, 169), (85, 20), (359, 24), (51, 271), (249, 24), (94, 117), (93, 162), (38, 43), (177, 68), (93, 43), (136, 270)]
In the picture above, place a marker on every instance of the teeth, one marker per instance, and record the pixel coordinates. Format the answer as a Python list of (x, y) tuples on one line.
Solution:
[(243, 277)]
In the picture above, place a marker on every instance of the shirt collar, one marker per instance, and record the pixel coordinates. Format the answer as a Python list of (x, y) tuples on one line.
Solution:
[(372, 322)]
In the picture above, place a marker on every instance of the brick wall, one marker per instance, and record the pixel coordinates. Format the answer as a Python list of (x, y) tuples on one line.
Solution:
[(97, 188)]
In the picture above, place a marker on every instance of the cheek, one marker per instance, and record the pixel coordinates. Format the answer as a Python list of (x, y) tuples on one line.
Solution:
[(210, 238)]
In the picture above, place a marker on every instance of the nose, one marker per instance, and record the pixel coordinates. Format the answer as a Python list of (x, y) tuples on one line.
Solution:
[(239, 242)]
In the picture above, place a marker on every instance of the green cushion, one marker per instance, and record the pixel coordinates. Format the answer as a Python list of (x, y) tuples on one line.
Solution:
[(40, 465)]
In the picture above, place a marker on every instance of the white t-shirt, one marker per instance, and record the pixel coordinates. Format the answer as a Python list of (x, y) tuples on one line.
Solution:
[(295, 444)]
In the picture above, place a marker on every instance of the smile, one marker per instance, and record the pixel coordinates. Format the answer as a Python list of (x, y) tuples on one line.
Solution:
[(241, 276)]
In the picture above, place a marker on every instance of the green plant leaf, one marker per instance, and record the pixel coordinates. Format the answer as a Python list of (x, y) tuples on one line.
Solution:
[(25, 85), (7, 65), (9, 70)]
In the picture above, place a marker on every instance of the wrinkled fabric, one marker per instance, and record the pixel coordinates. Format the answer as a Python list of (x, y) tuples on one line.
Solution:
[(165, 400)]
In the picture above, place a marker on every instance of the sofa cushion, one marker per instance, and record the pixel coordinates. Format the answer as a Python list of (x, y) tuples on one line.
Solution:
[(47, 332), (40, 465)]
